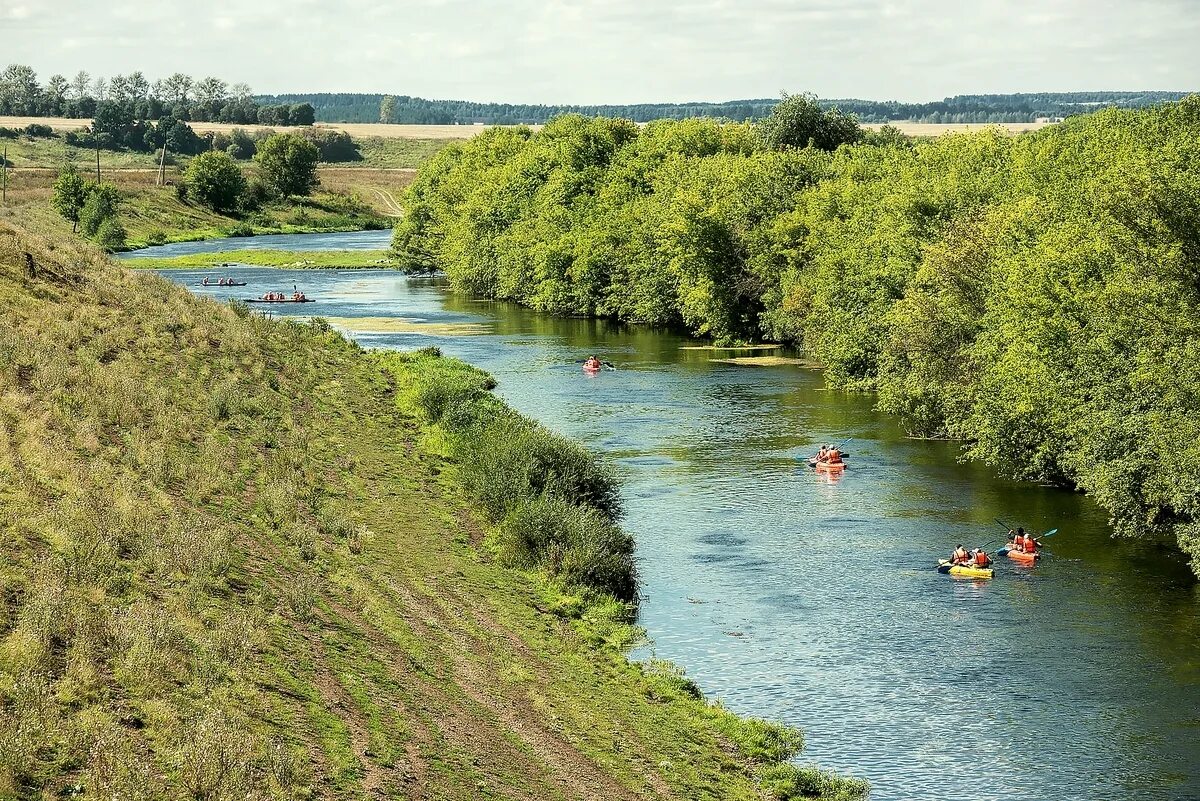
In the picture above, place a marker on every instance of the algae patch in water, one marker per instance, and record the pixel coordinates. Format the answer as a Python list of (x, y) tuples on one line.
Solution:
[(402, 325), (731, 347), (767, 361)]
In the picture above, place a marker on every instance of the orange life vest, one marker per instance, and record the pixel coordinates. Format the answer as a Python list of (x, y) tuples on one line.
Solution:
[(982, 559)]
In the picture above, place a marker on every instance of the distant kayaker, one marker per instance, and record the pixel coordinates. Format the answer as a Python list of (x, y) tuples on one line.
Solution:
[(833, 456), (822, 453), (205, 281), (960, 556), (592, 363)]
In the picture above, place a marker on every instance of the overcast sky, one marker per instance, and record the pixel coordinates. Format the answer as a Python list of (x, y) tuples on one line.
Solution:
[(620, 51)]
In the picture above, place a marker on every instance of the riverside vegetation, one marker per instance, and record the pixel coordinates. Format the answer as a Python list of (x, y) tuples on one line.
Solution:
[(1036, 297), (245, 559)]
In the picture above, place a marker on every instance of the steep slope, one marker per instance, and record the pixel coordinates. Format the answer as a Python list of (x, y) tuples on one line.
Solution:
[(230, 568)]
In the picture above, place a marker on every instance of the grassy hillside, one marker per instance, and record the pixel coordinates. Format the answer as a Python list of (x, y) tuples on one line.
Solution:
[(157, 214), (238, 563)]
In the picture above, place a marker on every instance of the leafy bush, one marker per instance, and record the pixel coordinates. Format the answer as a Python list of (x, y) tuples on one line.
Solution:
[(111, 235), (577, 544), (215, 180), (787, 782), (288, 164), (101, 205)]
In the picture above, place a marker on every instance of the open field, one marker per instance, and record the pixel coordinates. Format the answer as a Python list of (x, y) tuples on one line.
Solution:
[(354, 129), (360, 130), (938, 128)]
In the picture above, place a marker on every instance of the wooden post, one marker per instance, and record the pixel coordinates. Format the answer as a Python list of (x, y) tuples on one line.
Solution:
[(4, 178), (97, 161), (162, 167)]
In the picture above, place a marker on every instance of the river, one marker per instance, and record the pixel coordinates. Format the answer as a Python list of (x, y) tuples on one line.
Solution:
[(813, 602)]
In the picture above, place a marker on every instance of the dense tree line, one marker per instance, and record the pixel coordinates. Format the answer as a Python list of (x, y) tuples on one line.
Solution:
[(178, 96), (403, 109), (347, 107), (1036, 297)]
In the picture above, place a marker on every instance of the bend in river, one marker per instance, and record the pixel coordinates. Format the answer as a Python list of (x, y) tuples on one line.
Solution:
[(791, 596)]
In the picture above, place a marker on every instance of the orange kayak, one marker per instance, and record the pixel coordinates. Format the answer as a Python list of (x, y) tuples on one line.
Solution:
[(1023, 558), (830, 465)]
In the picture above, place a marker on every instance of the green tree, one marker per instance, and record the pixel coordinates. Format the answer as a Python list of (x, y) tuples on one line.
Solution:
[(70, 194), (387, 109), (215, 179), (798, 121), (101, 205), (302, 114), (288, 163)]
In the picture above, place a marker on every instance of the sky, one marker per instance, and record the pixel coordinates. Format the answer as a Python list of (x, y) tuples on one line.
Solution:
[(621, 51)]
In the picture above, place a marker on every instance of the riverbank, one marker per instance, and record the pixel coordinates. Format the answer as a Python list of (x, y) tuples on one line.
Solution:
[(907, 269), (231, 555)]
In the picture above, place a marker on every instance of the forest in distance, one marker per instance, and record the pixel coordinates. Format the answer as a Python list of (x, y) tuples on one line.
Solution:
[(1023, 107), (1036, 297)]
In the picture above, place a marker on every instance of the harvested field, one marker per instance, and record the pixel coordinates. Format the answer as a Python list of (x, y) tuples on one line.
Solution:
[(937, 128), (355, 129)]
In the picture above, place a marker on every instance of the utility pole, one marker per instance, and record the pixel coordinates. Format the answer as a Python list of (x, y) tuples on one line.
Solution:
[(97, 160), (162, 167), (4, 176)]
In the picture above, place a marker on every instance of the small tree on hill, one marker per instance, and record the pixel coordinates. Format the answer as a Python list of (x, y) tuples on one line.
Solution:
[(111, 235), (70, 193), (215, 179), (101, 205), (288, 163)]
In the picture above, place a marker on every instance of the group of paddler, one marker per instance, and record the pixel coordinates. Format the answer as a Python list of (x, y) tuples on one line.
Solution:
[(278, 297), (1021, 546)]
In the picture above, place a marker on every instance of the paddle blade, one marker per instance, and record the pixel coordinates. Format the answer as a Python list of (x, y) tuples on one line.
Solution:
[(1049, 533)]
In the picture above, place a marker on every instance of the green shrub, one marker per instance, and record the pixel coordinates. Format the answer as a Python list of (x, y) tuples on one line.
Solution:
[(788, 782), (101, 204), (576, 544), (665, 681), (111, 235), (511, 459)]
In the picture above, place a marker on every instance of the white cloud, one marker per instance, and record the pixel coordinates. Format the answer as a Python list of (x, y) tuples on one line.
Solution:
[(624, 50)]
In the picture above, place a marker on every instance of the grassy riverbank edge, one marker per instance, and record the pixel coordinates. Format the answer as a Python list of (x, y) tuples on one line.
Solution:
[(291, 259), (236, 566)]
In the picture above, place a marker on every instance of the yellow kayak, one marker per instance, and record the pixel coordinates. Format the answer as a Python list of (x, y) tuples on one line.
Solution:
[(966, 571)]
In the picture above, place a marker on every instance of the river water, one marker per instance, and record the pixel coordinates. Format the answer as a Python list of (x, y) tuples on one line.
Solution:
[(800, 599)]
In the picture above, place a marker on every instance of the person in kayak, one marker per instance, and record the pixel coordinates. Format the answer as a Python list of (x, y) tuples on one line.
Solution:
[(1031, 545), (592, 363), (822, 453), (981, 559), (834, 456), (960, 556)]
